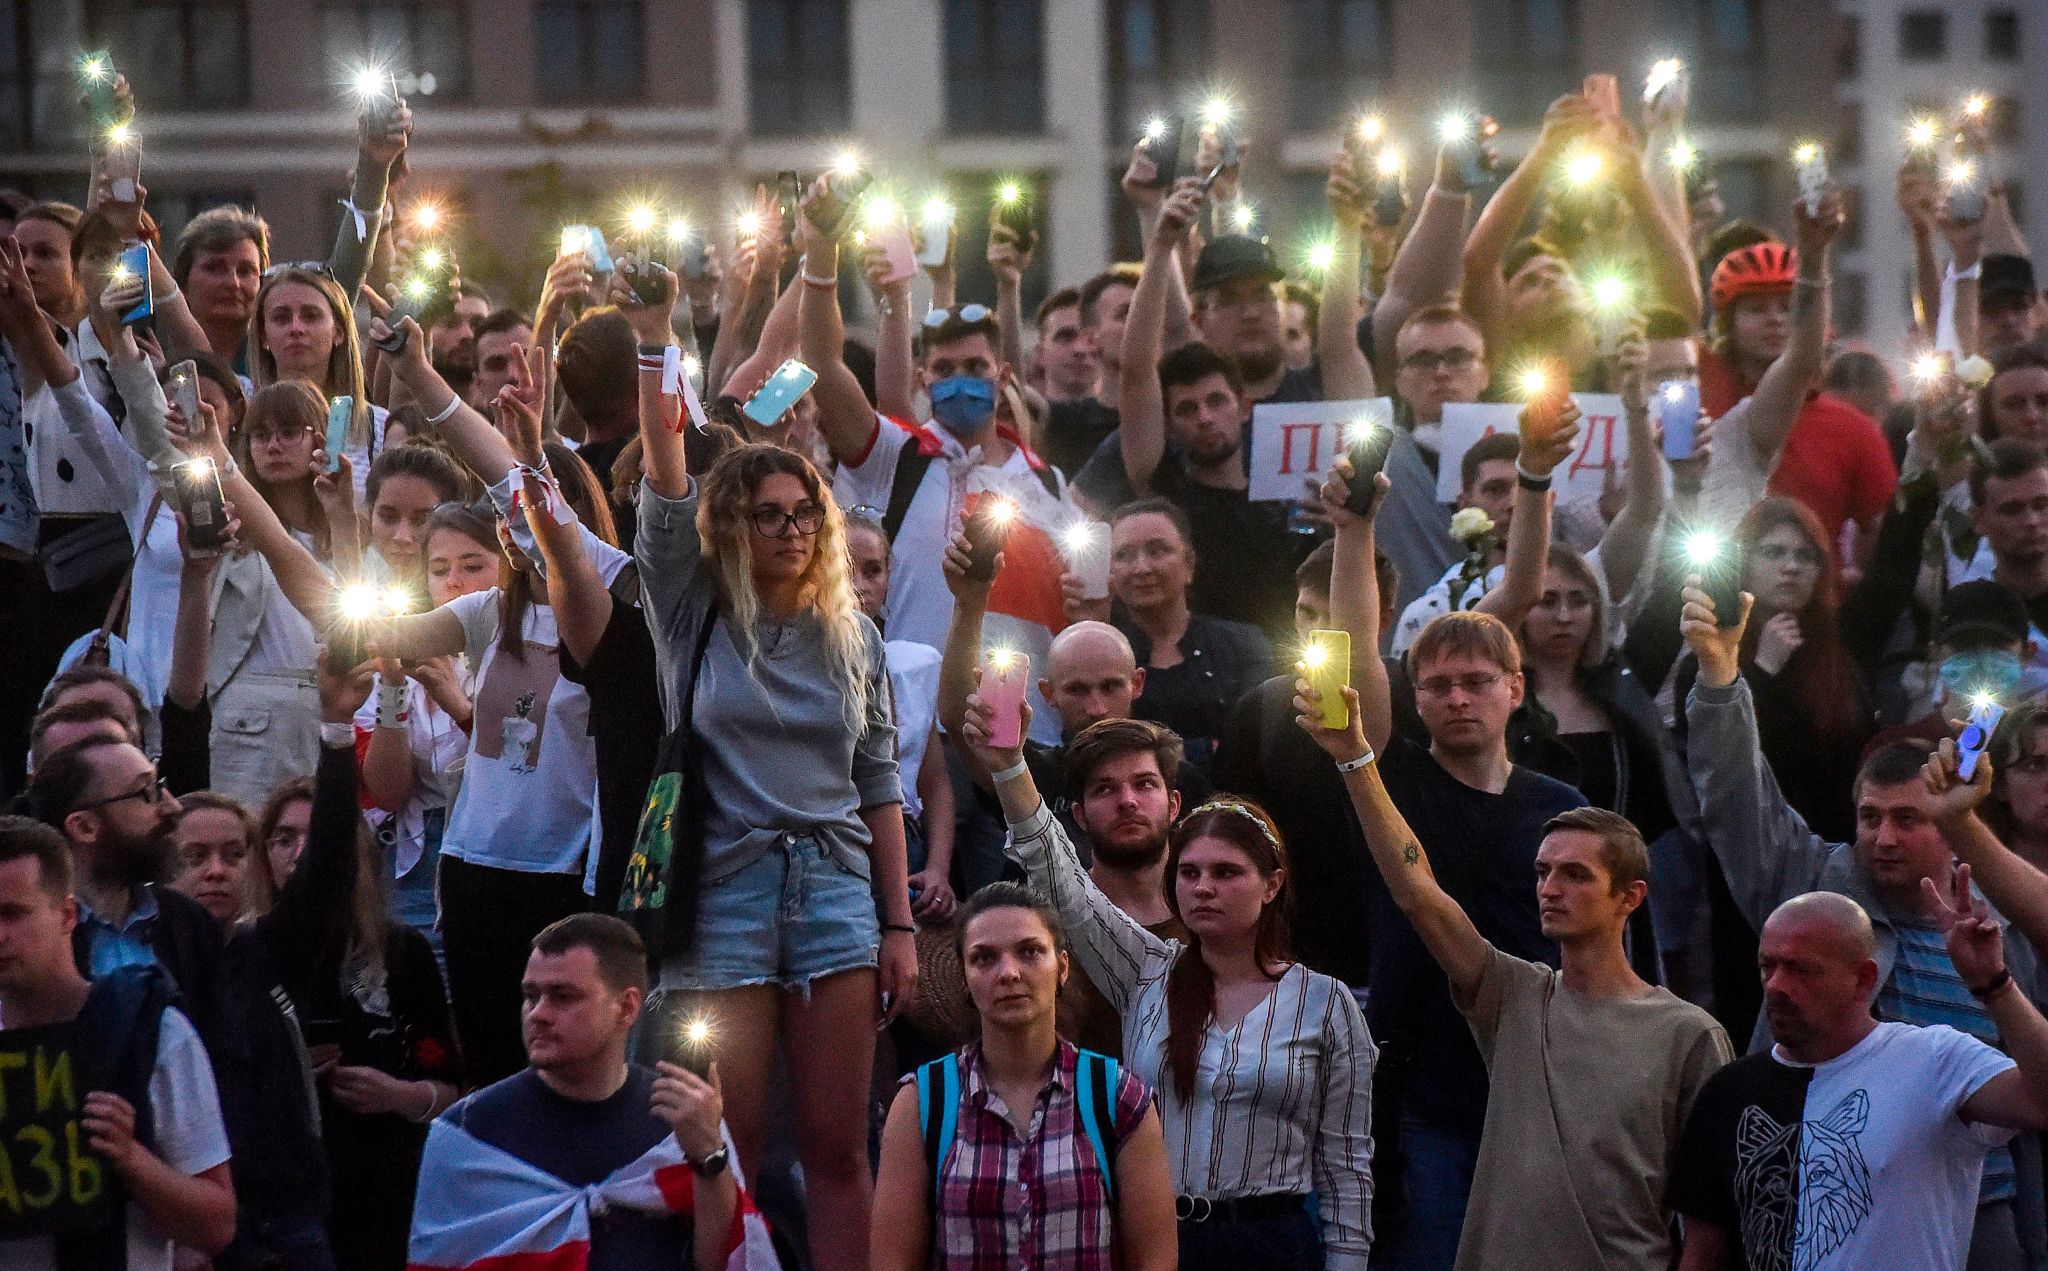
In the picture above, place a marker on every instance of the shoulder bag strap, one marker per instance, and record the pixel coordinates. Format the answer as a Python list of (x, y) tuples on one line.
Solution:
[(117, 606), (911, 465)]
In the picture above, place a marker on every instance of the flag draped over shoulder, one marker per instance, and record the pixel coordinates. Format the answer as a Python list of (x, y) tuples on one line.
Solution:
[(480, 1208)]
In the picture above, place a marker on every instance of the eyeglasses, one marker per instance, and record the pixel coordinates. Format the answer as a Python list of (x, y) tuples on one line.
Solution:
[(301, 266), (1470, 685), (773, 522), (1780, 554), (149, 793), (1427, 361), (264, 436), (965, 313)]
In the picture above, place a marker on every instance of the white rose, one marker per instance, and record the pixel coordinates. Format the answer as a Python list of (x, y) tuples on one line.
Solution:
[(1975, 371), (1468, 525)]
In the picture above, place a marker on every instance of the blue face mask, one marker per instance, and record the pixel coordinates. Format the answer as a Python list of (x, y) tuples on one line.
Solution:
[(963, 404), (1993, 671)]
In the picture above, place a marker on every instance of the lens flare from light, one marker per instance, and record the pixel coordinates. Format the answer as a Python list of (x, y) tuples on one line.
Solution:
[(678, 229), (1003, 659), (1389, 162), (1320, 255), (1535, 382), (1241, 217), (1921, 134), (1453, 127), (1584, 168), (1683, 156), (1372, 129), (1663, 74), (1976, 104), (1806, 153), (120, 134), (1703, 547)]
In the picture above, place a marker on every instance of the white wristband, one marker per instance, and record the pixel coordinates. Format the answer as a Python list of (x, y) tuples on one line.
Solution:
[(1353, 765), (1972, 274), (337, 734), (1009, 774), (442, 415), (391, 711)]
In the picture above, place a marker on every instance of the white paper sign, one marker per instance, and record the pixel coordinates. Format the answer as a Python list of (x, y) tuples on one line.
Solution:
[(1292, 443), (1603, 444)]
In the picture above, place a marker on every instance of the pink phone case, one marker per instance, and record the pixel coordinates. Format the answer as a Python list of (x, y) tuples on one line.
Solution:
[(902, 257), (1002, 687)]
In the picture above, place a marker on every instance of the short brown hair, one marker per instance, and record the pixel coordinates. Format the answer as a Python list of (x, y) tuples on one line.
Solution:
[(1064, 298), (1108, 739), (215, 230), (595, 365), (621, 954), (22, 836), (1466, 633), (1622, 850), (85, 710)]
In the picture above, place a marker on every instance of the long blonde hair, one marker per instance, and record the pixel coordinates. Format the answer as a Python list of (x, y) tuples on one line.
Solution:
[(344, 373), (827, 582)]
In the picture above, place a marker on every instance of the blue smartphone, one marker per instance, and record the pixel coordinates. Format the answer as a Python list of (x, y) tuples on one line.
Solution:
[(1678, 409), (135, 261), (589, 240), (341, 412), (1976, 738), (791, 380)]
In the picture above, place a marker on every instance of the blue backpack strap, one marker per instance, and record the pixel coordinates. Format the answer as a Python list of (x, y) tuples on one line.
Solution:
[(1096, 1078), (938, 1116)]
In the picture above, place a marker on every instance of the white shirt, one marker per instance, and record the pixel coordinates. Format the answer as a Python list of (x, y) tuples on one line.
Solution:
[(914, 691), (190, 1138)]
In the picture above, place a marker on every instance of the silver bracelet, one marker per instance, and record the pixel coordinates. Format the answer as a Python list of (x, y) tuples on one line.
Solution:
[(1353, 765), (1009, 774), (811, 279), (442, 415)]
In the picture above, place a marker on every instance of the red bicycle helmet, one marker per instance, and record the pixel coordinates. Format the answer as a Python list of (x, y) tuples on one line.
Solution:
[(1752, 271)]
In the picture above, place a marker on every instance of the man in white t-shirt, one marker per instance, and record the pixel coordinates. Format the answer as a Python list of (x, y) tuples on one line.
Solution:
[(1853, 1143), (160, 1169)]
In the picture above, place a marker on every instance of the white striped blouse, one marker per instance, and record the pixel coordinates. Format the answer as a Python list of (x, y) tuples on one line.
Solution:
[(1280, 1103)]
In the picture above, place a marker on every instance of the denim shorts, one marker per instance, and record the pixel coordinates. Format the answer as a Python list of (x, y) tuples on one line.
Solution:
[(791, 916)]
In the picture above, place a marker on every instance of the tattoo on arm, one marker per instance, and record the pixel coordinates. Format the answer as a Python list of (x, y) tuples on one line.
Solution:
[(1411, 853)]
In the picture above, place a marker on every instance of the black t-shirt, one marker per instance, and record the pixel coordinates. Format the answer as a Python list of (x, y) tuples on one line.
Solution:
[(601, 455), (1220, 662), (626, 728), (1264, 756), (583, 1144), (1245, 556), (1482, 849), (1074, 427)]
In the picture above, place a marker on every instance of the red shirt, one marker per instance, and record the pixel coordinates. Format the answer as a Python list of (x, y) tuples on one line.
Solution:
[(1835, 461)]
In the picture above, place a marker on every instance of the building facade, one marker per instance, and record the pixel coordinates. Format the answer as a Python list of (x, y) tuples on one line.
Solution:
[(542, 111)]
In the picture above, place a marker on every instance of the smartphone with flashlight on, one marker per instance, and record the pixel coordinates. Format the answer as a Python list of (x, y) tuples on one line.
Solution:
[(791, 381), (96, 81), (1366, 446), (987, 527), (121, 161), (789, 195), (1965, 192), (421, 297), (201, 505), (1012, 211), (638, 269), (1985, 712), (1811, 163), (131, 264), (935, 227), (1161, 144), (379, 92), (183, 386), (1715, 560), (341, 413), (688, 254), (1003, 681), (694, 1054), (1678, 411), (900, 254), (1468, 149), (1326, 665), (1087, 551)]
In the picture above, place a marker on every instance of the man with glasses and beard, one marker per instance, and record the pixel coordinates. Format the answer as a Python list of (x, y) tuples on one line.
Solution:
[(108, 802)]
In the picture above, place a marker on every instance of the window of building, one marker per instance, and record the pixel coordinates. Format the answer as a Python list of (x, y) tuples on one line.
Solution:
[(797, 66), (1848, 46), (1158, 59), (1523, 51), (174, 209), (1923, 35), (995, 66), (187, 54), (971, 194), (1338, 61), (1721, 44), (589, 50), (17, 74), (2002, 35), (1847, 150), (425, 42)]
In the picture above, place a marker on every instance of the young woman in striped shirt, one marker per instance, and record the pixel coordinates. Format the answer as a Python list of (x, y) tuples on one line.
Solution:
[(1262, 1068)]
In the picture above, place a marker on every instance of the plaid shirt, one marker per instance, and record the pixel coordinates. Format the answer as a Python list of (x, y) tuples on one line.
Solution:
[(1009, 1203)]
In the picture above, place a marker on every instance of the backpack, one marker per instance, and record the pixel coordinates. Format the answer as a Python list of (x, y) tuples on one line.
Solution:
[(911, 464), (1096, 1078)]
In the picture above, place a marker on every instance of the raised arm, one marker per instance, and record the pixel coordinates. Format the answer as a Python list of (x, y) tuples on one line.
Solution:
[(845, 418), (1548, 435), (1500, 221), (1625, 547), (1139, 403), (475, 440), (960, 661), (1355, 598), (1427, 266), (1347, 376), (1444, 927), (2017, 1098), (760, 326), (2015, 887), (1919, 203), (1781, 393), (895, 368), (314, 906), (356, 240), (1008, 260), (1674, 277)]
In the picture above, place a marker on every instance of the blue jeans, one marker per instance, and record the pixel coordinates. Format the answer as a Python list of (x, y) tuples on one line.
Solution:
[(1436, 1183), (1283, 1242)]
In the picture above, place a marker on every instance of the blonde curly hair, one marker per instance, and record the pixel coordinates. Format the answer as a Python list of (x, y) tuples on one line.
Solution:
[(723, 510)]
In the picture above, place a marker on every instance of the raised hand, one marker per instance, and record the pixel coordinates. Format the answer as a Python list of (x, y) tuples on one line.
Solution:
[(1955, 798), (518, 405), (1335, 493), (958, 558), (1342, 744), (1177, 216), (17, 295), (977, 728), (1549, 434), (692, 1107), (1976, 942), (1816, 232), (1718, 648), (1350, 205)]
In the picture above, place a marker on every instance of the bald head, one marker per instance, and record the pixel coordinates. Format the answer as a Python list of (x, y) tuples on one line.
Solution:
[(1091, 674), (1831, 917)]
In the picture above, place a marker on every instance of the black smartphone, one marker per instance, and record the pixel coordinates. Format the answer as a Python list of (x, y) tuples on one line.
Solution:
[(642, 276), (201, 504), (789, 194), (689, 256), (1367, 450), (987, 526), (424, 297), (1161, 143), (1389, 200), (1013, 213), (694, 1048), (1719, 566), (381, 106)]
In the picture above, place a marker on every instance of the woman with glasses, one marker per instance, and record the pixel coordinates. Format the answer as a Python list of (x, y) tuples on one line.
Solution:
[(2018, 806), (802, 933)]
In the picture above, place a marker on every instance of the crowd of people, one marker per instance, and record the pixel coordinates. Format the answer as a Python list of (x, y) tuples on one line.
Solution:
[(654, 779)]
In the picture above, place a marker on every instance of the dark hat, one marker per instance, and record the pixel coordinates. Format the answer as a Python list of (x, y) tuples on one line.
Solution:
[(1230, 257), (2006, 274), (1981, 610)]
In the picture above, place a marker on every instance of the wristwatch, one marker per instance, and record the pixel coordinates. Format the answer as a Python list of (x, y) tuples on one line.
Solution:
[(710, 1166)]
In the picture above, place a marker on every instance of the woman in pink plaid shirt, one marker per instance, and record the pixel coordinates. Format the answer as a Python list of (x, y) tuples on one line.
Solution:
[(1020, 1182)]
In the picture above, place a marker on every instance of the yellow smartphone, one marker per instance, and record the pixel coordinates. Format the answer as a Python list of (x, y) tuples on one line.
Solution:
[(1326, 662)]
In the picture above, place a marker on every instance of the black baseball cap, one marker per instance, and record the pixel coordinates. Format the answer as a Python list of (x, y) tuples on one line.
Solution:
[(1981, 612), (2006, 274), (1231, 257)]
